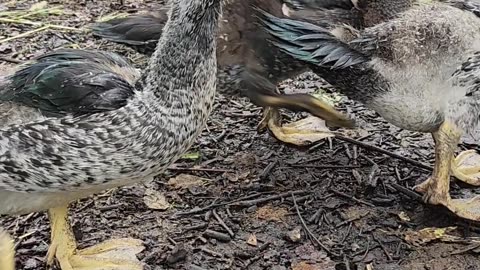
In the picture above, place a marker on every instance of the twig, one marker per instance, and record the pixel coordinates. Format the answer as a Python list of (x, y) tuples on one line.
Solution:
[(383, 151), (268, 169), (10, 60), (211, 252), (467, 249), (40, 24), (346, 262), (305, 227), (222, 223), (326, 166), (351, 198), (271, 198), (200, 170), (217, 235), (195, 267), (215, 205), (351, 219), (25, 34), (389, 257), (406, 191)]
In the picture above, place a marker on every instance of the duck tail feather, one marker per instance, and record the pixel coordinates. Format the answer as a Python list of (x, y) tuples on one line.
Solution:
[(309, 43)]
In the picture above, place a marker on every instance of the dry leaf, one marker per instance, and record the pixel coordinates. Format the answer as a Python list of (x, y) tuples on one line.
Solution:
[(428, 234), (39, 6), (369, 266), (469, 162), (305, 266), (235, 177), (271, 213), (312, 258), (314, 129), (252, 240), (191, 156), (312, 266), (404, 217), (185, 181), (125, 249), (155, 200)]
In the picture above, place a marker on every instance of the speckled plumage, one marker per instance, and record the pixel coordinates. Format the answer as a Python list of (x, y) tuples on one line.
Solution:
[(242, 43), (417, 70), (47, 161)]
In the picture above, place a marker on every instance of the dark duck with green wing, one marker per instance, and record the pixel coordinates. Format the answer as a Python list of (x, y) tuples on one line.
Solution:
[(76, 122), (242, 42), (420, 71)]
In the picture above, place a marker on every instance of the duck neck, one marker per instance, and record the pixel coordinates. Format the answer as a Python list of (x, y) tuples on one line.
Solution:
[(181, 75)]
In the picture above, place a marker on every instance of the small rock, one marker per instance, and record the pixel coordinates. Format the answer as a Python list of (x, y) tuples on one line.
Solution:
[(295, 235)]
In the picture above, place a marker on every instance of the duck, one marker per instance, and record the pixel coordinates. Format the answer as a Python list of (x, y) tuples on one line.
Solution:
[(77, 122), (7, 260), (420, 71), (242, 43)]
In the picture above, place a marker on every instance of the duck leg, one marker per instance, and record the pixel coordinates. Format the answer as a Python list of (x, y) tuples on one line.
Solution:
[(437, 187), (306, 130), (297, 133), (7, 260), (64, 248)]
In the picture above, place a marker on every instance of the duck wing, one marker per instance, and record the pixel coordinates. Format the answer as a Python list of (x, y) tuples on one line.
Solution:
[(72, 82), (140, 31)]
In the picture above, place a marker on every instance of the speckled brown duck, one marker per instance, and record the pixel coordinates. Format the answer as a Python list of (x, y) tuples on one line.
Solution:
[(420, 71), (241, 42), (75, 123)]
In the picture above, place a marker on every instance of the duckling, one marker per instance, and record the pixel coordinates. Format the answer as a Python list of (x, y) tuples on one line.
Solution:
[(75, 123), (419, 71), (7, 260)]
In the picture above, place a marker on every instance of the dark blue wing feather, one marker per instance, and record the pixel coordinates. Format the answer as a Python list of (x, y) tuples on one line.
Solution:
[(310, 43), (72, 82)]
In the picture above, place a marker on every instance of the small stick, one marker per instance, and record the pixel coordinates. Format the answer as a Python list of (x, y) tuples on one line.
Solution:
[(271, 198), (351, 220), (382, 247), (467, 249), (39, 24), (215, 205), (217, 235), (200, 170), (222, 223), (25, 34), (211, 252), (326, 166), (410, 193), (10, 60), (383, 151), (346, 262), (305, 227), (268, 169), (351, 198)]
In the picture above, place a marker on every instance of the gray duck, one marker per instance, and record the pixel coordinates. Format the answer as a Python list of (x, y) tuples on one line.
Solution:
[(77, 122), (419, 71), (242, 42)]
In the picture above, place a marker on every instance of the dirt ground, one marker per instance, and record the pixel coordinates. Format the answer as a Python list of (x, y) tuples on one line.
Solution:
[(243, 200)]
